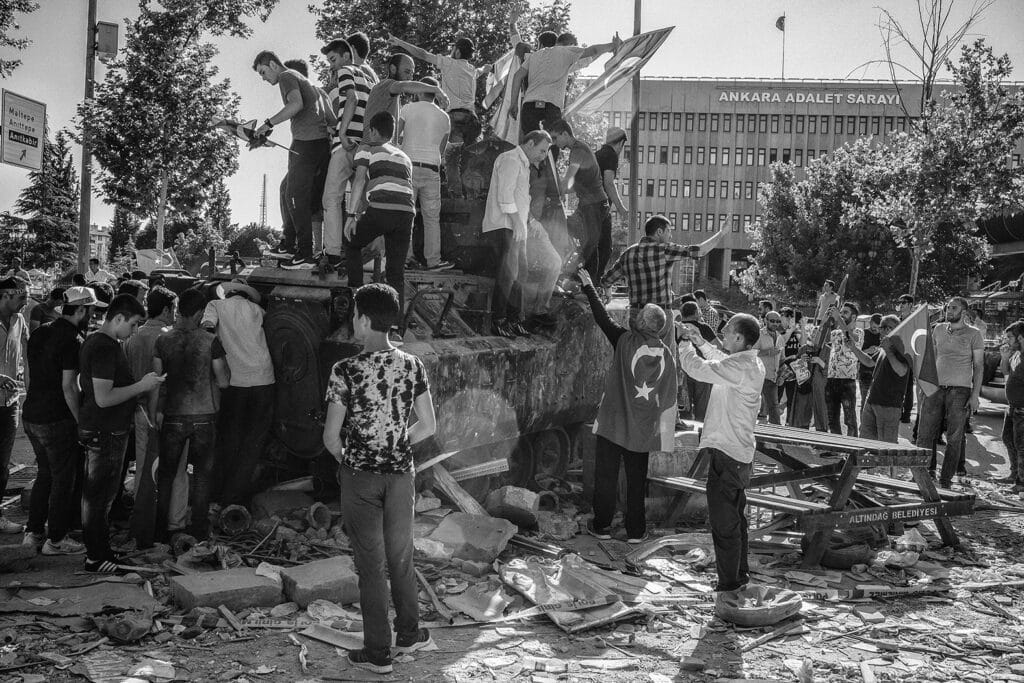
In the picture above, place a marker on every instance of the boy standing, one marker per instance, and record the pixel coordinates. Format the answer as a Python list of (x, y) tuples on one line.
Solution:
[(104, 422), (186, 409), (370, 398)]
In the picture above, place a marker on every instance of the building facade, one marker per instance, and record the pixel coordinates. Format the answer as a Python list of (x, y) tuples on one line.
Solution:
[(99, 242), (704, 145)]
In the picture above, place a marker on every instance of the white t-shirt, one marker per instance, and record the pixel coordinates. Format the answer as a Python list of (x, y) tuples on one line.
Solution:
[(458, 80), (548, 73), (425, 126), (239, 326)]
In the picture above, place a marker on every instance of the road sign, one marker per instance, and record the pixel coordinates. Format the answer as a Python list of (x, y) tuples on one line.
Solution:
[(23, 128)]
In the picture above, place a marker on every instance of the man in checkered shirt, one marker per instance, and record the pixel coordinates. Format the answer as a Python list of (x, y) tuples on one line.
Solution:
[(646, 265)]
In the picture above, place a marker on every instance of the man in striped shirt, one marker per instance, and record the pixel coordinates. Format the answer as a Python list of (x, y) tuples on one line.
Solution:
[(382, 203)]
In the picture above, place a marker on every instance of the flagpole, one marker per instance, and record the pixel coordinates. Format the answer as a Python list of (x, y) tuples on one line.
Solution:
[(783, 46), (634, 140)]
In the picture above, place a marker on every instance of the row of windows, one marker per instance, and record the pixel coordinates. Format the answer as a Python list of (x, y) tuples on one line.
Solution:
[(763, 123), (714, 190), (700, 222), (725, 156)]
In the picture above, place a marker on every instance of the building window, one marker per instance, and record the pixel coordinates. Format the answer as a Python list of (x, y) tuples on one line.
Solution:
[(735, 222), (616, 119), (839, 125), (723, 221), (647, 216), (639, 218), (747, 225), (725, 156), (775, 123), (689, 122), (642, 121), (762, 123), (750, 156), (686, 188), (673, 188), (863, 126), (712, 155), (702, 122), (901, 124), (675, 154), (810, 156), (698, 220), (663, 155), (773, 155), (888, 123), (822, 152), (739, 156), (726, 123), (798, 157), (664, 120), (688, 155), (1016, 161), (748, 190), (712, 189), (653, 116), (875, 123), (787, 156), (761, 153), (650, 187), (684, 221), (714, 123), (677, 121), (640, 156), (737, 189), (787, 124), (639, 187), (740, 120), (851, 125), (724, 191), (627, 153), (700, 189), (652, 154), (700, 155), (711, 222), (824, 124), (661, 187), (812, 124)]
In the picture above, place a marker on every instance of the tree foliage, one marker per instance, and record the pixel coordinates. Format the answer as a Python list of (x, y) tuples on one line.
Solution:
[(123, 229), (50, 204), (8, 24), (250, 240)]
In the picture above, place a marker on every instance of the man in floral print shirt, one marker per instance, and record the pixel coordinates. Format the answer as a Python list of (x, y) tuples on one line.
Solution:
[(843, 369), (370, 398)]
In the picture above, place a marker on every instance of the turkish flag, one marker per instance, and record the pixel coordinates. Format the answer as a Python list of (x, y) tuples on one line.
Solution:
[(916, 333)]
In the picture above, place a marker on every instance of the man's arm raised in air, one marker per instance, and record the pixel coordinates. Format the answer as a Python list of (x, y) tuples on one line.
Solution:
[(414, 51)]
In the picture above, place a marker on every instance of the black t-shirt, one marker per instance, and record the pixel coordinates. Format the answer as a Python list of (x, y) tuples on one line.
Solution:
[(103, 358), (888, 388), (1015, 387), (607, 160), (52, 349), (870, 339), (43, 313)]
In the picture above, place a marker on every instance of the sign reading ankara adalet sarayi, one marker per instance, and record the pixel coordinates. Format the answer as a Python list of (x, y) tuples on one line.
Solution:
[(23, 128)]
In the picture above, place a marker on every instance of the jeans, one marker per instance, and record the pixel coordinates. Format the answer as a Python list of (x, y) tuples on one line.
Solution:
[(841, 394), (104, 455), (607, 456), (908, 398), (544, 266), (881, 423), (59, 458), (243, 426), (307, 173), (396, 228), (465, 131), (8, 430), (865, 387), (949, 405), (339, 170), (1013, 439), (592, 218), (511, 258), (201, 433), (426, 188), (377, 510), (287, 226), (533, 114), (727, 500), (770, 401), (604, 241), (819, 402)]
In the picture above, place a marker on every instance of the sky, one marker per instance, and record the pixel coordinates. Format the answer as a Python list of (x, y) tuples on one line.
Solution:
[(712, 38)]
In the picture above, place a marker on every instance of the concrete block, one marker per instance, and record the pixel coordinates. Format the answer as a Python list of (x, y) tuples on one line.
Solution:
[(433, 550), (426, 503), (556, 525), (473, 537), (332, 579), (237, 589), (270, 503), (517, 505)]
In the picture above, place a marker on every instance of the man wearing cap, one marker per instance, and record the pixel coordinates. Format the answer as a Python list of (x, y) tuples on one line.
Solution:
[(247, 405), (50, 418), (423, 134), (13, 340)]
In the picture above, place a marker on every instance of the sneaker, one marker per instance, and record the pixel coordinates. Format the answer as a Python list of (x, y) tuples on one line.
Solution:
[(335, 261), (32, 538), (282, 251), (9, 527), (641, 539), (422, 641), (518, 329), (299, 263), (362, 659), (65, 546), (604, 534), (500, 328), (103, 566), (441, 265)]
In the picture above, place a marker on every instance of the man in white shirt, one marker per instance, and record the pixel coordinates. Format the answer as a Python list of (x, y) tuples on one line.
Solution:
[(97, 274), (727, 441), (505, 220), (423, 130), (769, 351)]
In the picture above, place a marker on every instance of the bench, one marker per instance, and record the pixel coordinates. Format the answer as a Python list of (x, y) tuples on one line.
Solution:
[(793, 506), (909, 487)]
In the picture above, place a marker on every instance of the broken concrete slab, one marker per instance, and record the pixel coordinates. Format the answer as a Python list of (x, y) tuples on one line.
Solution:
[(426, 503), (516, 504), (430, 549), (556, 525), (270, 503), (331, 579), (15, 557), (77, 600), (236, 589), (473, 537)]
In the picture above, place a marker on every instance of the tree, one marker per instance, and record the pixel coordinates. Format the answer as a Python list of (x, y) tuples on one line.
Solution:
[(123, 229), (50, 204), (219, 211), (8, 23), (250, 240)]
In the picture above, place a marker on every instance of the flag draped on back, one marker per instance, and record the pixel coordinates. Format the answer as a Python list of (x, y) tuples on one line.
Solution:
[(633, 54), (916, 334), (780, 23)]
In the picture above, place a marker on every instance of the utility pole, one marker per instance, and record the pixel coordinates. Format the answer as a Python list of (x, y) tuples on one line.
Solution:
[(634, 140), (86, 189)]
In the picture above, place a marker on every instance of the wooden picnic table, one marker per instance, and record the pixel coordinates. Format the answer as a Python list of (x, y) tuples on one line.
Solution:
[(847, 485)]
